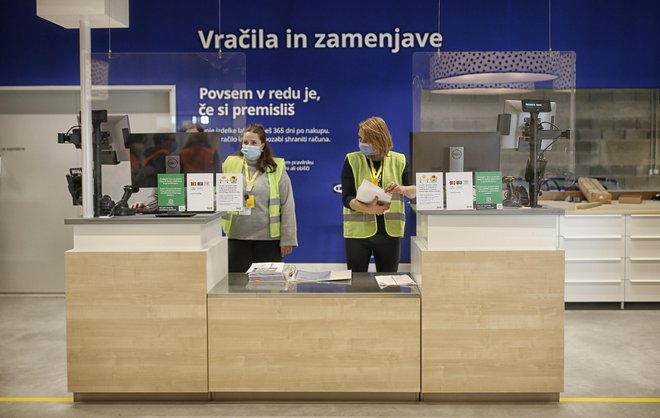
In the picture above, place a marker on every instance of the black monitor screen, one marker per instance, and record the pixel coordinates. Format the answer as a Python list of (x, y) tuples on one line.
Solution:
[(169, 152), (429, 151)]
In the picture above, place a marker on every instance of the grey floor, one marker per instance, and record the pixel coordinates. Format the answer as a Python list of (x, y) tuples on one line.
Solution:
[(609, 353)]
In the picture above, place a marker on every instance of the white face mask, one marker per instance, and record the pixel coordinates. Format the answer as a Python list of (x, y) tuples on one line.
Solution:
[(366, 149), (251, 152)]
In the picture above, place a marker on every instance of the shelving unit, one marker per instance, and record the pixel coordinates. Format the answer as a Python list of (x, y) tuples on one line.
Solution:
[(595, 257), (642, 279), (612, 252)]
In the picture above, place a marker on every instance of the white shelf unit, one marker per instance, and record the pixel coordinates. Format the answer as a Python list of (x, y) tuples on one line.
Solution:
[(642, 271), (595, 257)]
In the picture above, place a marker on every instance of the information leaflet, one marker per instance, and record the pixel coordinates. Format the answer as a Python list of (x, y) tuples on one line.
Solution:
[(199, 192), (229, 192), (171, 192), (459, 191), (430, 193), (488, 187)]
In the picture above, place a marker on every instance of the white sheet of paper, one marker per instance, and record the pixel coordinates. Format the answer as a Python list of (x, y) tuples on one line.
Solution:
[(459, 191), (368, 191), (322, 276), (395, 280), (430, 192), (229, 192), (199, 192)]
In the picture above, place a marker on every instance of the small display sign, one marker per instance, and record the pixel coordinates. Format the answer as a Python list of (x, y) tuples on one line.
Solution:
[(488, 185), (172, 192)]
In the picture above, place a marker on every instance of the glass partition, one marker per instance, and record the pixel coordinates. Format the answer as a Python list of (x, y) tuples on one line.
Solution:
[(614, 132), (181, 108)]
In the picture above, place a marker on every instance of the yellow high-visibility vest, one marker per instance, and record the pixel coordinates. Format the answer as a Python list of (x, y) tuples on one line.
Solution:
[(363, 225), (234, 164)]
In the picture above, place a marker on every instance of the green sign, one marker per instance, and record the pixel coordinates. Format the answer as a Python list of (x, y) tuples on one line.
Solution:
[(488, 185), (172, 191)]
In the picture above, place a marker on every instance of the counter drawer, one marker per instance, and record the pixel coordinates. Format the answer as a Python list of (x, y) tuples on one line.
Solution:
[(594, 292), (643, 269), (642, 247), (593, 247), (642, 291), (594, 271), (592, 225), (648, 225)]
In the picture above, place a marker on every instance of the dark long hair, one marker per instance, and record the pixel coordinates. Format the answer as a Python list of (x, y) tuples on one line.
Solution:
[(265, 160)]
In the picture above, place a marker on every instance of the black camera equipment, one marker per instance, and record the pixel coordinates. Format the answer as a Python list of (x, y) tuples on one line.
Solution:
[(121, 208), (72, 136), (102, 153), (74, 182)]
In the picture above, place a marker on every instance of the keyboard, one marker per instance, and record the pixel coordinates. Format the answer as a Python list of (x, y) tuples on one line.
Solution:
[(175, 214)]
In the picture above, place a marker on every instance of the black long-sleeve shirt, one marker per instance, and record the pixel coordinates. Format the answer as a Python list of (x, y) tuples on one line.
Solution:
[(349, 192)]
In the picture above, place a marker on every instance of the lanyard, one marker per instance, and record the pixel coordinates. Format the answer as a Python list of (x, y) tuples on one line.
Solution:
[(375, 174), (249, 182)]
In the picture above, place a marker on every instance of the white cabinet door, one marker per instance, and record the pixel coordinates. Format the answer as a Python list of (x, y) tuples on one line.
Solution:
[(592, 225), (642, 282), (595, 251)]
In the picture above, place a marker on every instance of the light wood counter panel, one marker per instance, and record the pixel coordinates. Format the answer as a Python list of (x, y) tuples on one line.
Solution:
[(648, 207), (492, 321), (136, 322), (314, 344)]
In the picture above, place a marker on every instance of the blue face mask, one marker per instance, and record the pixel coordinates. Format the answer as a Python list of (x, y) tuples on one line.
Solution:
[(251, 152), (366, 149)]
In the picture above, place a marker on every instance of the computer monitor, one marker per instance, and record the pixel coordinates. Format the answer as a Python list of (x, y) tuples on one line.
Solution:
[(429, 151), (118, 130), (172, 152), (511, 126)]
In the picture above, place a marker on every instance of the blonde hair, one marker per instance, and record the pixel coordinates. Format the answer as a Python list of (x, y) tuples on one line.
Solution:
[(375, 132)]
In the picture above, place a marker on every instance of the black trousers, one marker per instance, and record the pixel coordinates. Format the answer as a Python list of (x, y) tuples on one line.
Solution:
[(242, 253), (386, 251)]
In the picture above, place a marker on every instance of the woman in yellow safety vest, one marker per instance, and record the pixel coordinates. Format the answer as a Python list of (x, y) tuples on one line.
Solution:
[(373, 227), (265, 230)]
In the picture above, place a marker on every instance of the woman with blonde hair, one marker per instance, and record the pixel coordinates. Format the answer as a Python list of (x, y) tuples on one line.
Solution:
[(373, 228)]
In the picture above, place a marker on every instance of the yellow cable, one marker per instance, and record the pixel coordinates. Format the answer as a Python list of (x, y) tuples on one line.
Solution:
[(17, 399), (612, 400)]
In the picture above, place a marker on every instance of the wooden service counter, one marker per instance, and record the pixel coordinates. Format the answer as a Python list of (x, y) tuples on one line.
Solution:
[(492, 287), (136, 290), (335, 340)]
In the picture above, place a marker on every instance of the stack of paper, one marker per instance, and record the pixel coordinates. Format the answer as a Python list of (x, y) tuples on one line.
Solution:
[(368, 191), (270, 272)]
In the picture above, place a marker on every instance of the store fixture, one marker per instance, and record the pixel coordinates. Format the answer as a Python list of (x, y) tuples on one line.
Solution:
[(501, 72), (85, 15)]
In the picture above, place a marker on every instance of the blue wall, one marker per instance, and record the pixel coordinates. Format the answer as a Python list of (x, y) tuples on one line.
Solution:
[(615, 42)]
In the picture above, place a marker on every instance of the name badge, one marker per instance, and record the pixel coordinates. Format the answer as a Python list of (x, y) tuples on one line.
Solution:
[(249, 202)]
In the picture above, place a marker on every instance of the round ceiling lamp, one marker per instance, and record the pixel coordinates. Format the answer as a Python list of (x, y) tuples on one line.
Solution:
[(495, 67)]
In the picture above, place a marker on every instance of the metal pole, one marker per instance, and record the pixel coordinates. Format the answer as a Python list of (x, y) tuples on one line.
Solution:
[(86, 117), (534, 156)]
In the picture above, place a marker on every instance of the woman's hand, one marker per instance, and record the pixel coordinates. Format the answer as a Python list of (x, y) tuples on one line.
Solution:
[(373, 208), (408, 191), (393, 188), (285, 250), (377, 208)]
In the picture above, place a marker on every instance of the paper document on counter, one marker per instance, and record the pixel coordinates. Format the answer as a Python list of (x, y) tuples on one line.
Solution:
[(368, 191), (270, 272), (321, 276), (395, 280)]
